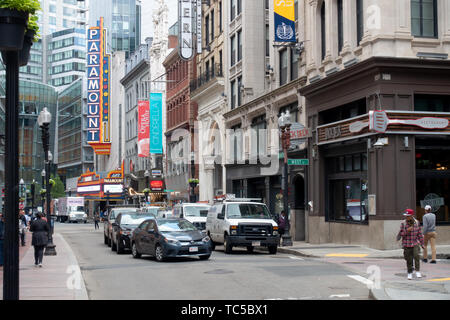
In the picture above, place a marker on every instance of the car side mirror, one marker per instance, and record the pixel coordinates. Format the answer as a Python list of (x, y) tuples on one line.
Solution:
[(181, 216), (220, 216)]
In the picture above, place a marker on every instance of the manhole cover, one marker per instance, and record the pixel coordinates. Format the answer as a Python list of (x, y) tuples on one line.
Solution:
[(219, 271)]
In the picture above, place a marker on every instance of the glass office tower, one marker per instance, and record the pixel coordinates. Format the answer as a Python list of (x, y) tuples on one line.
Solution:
[(122, 19)]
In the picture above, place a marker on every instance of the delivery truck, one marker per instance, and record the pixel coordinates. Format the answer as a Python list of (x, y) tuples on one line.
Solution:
[(71, 209)]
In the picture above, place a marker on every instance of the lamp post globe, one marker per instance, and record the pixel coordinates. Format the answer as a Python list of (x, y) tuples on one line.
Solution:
[(45, 117)]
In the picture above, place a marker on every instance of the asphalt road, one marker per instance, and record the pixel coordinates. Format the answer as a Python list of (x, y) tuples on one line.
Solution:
[(241, 275)]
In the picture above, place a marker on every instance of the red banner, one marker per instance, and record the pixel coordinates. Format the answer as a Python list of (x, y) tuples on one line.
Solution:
[(144, 129)]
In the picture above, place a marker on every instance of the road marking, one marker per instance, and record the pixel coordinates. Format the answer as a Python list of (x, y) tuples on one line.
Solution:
[(296, 258), (361, 279), (340, 296), (438, 280), (347, 255)]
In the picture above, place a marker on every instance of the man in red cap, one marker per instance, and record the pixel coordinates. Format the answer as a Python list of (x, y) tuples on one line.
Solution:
[(412, 239)]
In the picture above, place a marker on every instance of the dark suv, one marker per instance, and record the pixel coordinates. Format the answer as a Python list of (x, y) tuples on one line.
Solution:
[(123, 227), (107, 226)]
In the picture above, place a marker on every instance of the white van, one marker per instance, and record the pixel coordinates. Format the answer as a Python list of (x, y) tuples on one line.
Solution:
[(242, 223), (195, 213)]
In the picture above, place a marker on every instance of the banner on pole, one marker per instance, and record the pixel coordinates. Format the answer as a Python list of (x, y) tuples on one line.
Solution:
[(156, 123), (284, 12), (144, 129)]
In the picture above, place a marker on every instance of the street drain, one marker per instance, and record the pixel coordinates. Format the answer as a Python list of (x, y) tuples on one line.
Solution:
[(219, 271)]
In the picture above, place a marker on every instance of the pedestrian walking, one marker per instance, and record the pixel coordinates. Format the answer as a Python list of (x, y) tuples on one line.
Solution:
[(22, 227), (96, 220), (282, 223), (412, 239), (429, 234), (40, 231), (2, 237)]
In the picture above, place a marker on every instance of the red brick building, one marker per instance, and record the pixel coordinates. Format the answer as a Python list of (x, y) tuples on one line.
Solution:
[(181, 115)]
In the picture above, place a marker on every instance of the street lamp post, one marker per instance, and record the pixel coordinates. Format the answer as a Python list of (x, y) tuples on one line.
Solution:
[(147, 184), (284, 122), (192, 184), (44, 119)]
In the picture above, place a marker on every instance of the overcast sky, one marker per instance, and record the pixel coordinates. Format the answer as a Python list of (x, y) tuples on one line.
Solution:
[(147, 14)]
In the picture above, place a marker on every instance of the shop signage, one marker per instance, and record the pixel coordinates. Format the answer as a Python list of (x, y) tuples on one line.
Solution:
[(284, 17), (389, 122), (156, 173), (299, 134), (332, 133), (156, 185), (98, 129), (199, 26), (379, 122), (433, 200), (298, 162), (143, 129)]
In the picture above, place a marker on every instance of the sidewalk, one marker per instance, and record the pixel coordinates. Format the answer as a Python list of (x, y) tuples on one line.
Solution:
[(58, 279), (435, 284)]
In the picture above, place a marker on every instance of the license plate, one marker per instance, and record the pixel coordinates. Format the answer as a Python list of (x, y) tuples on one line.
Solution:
[(256, 243), (193, 249)]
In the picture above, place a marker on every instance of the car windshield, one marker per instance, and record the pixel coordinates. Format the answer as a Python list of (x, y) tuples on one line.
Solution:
[(196, 211), (134, 219), (248, 211), (76, 208), (152, 210), (175, 225)]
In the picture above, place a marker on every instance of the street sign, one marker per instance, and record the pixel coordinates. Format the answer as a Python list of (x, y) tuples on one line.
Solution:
[(298, 162)]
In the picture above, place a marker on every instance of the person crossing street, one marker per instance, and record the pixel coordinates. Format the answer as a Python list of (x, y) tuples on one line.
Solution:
[(412, 239)]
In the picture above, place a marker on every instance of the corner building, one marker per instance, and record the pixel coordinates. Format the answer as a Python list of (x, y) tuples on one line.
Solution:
[(390, 57)]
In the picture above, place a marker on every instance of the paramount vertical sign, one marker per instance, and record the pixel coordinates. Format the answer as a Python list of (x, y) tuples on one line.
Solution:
[(98, 61)]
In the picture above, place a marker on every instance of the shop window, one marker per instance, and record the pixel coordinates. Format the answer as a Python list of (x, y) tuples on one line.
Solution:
[(348, 200), (424, 18), (349, 110), (431, 103), (433, 177)]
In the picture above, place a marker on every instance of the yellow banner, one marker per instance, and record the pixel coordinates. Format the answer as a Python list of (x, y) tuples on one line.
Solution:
[(285, 8)]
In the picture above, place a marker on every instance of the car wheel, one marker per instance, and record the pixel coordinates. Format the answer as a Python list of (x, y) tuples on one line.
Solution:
[(273, 249), (227, 245), (205, 257), (134, 251), (250, 249), (159, 254)]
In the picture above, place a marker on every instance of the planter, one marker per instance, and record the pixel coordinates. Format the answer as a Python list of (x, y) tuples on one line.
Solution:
[(12, 29), (193, 184), (24, 54)]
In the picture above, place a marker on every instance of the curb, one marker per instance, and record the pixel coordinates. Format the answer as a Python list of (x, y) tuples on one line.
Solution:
[(80, 294), (296, 253)]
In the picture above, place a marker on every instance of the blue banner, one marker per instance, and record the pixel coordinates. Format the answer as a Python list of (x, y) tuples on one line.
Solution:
[(156, 123)]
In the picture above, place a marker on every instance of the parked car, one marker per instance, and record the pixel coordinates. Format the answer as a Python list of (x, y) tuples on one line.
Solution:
[(164, 238), (195, 213), (107, 226), (242, 223), (123, 227)]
